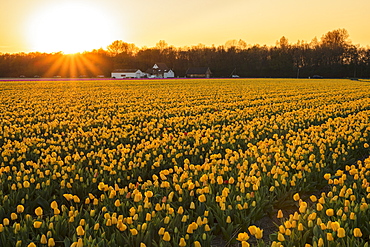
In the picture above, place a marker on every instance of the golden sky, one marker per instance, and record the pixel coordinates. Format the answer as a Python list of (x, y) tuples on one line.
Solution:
[(78, 25)]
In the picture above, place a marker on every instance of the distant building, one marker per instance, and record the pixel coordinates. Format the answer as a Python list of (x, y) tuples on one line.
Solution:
[(160, 70), (199, 72), (128, 73)]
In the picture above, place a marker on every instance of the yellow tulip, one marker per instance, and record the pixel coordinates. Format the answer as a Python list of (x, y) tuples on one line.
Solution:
[(281, 237), (357, 233), (13, 216), (245, 244), (54, 205), (20, 209), (17, 227), (207, 228), (313, 198), (117, 203), (138, 197), (166, 237), (243, 236), (329, 236), (134, 232), (51, 242), (335, 226), (228, 220), (80, 231), (197, 244), (202, 198), (252, 229), (182, 242), (96, 226), (38, 211), (161, 231), (320, 243), (43, 239), (329, 212), (300, 227), (80, 243), (180, 210), (352, 216), (341, 233), (76, 199), (6, 221), (280, 214), (259, 233), (37, 224), (296, 197), (166, 220)]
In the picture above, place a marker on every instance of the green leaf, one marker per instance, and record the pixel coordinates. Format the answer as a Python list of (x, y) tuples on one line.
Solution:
[(67, 242)]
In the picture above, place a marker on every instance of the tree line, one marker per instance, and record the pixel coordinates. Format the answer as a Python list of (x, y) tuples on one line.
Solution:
[(332, 56)]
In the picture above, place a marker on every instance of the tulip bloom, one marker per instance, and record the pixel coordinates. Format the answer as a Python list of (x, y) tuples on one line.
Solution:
[(182, 242), (161, 231), (37, 224), (197, 244), (166, 237), (80, 231), (245, 244), (54, 205), (43, 239), (341, 233), (243, 236), (357, 233), (38, 211), (300, 227), (51, 242), (281, 237), (202, 198), (20, 209), (296, 197), (329, 236), (280, 214), (134, 232), (13, 216), (329, 212)]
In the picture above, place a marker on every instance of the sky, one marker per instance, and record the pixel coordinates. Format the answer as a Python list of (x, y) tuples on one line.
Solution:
[(78, 25)]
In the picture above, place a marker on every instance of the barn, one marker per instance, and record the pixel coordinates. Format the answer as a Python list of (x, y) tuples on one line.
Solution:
[(199, 72), (127, 73)]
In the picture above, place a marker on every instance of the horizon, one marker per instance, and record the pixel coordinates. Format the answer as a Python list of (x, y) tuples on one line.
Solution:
[(81, 25)]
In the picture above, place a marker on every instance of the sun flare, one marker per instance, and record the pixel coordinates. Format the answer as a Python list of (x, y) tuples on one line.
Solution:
[(70, 27)]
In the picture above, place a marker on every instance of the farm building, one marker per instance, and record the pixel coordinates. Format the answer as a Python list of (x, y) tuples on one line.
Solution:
[(199, 72), (160, 70), (128, 73)]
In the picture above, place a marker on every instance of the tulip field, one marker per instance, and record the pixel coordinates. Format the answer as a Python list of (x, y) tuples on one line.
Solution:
[(184, 162)]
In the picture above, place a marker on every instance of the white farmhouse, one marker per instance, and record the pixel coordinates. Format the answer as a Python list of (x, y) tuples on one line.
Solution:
[(128, 73), (160, 70)]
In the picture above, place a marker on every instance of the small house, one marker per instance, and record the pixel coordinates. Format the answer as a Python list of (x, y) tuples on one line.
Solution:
[(198, 72), (127, 73), (160, 70)]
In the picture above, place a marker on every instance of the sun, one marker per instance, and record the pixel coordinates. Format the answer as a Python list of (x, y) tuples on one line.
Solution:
[(70, 27)]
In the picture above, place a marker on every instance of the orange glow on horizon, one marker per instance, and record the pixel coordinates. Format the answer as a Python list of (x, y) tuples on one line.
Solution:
[(73, 66)]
